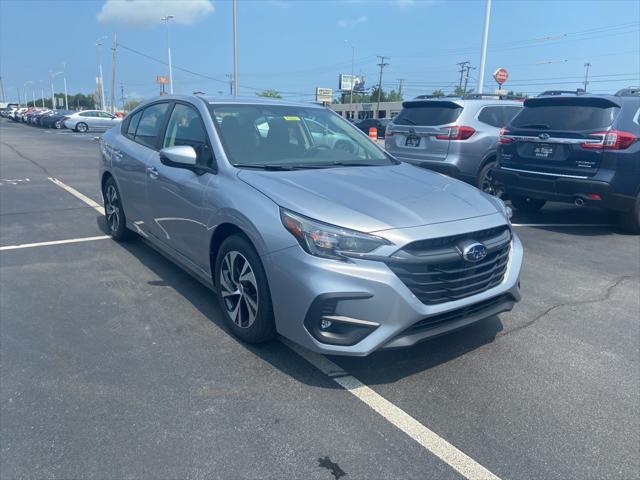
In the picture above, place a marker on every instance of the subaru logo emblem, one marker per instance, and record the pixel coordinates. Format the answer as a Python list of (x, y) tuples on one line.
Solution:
[(543, 136), (474, 252)]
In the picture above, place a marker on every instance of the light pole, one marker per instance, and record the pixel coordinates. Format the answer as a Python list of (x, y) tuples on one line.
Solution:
[(166, 21), (235, 49), (99, 80), (42, 92), (353, 67), (485, 38), (33, 93), (53, 95), (64, 79), (18, 90)]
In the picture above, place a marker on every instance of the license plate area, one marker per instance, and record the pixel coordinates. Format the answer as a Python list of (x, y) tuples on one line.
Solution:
[(543, 150), (412, 141)]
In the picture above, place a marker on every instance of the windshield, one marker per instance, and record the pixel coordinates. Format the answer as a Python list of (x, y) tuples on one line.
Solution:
[(256, 136)]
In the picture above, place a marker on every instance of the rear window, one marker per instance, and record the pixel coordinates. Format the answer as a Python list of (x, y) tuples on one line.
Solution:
[(565, 117), (428, 113)]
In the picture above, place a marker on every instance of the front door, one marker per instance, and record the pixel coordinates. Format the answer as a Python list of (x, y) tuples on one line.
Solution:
[(175, 195)]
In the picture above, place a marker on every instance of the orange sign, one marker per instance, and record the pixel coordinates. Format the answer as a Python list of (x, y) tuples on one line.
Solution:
[(161, 79)]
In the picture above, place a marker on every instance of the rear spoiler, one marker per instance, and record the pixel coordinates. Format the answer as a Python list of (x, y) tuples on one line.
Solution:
[(598, 102), (431, 103)]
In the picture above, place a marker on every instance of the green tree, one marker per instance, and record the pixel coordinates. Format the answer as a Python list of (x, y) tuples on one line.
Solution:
[(130, 105), (269, 93), (438, 93)]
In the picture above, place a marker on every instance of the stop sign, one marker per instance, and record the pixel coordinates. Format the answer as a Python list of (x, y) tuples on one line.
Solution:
[(501, 75)]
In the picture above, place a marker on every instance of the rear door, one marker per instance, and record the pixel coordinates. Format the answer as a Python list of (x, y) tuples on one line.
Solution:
[(418, 133), (558, 135)]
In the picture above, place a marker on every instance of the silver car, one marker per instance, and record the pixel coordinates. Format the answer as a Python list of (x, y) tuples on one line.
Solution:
[(454, 136), (91, 120), (344, 252)]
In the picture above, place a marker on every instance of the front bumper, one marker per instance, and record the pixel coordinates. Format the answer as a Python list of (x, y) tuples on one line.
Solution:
[(564, 189), (369, 291)]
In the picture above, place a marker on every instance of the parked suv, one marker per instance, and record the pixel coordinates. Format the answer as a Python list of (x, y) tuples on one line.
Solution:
[(344, 251), (454, 136), (580, 149)]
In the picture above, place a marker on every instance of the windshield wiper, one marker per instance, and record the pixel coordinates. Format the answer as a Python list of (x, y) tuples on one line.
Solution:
[(541, 126), (263, 166)]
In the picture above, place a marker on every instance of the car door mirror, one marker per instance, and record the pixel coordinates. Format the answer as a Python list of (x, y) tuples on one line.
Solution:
[(180, 156)]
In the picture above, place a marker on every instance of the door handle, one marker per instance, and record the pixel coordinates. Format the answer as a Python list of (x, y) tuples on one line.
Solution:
[(152, 172)]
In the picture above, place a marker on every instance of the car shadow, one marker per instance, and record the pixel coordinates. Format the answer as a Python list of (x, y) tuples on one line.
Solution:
[(379, 368)]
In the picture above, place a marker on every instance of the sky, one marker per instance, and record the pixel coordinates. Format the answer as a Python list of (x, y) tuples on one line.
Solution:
[(294, 46)]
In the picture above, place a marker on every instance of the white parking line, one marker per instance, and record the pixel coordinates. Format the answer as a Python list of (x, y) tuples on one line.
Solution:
[(430, 440), (54, 242), (78, 195), (569, 225)]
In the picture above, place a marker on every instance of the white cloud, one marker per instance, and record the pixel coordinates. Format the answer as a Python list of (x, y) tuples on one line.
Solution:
[(144, 13), (346, 22)]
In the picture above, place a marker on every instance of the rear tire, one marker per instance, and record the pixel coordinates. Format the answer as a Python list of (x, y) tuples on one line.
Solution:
[(82, 127), (526, 204), (487, 183), (114, 213), (243, 291), (630, 220)]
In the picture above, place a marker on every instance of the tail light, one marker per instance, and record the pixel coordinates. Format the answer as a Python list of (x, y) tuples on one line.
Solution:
[(388, 132), (456, 133), (502, 138), (611, 140)]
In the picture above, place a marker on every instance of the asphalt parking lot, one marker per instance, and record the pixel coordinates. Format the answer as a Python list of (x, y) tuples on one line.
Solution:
[(115, 363)]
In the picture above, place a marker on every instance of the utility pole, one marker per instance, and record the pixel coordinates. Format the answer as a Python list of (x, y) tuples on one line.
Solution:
[(100, 81), (382, 64), (353, 66), (485, 39), (586, 75), (113, 73), (230, 77), (235, 49), (463, 67), (122, 94), (400, 85), (2, 88), (42, 93), (166, 19), (466, 77)]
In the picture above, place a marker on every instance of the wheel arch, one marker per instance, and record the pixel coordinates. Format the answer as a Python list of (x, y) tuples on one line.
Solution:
[(220, 234)]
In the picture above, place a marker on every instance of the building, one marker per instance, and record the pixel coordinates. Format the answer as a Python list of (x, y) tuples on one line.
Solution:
[(360, 111)]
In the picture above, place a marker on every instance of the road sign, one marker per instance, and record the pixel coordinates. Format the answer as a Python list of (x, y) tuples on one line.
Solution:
[(162, 80), (324, 94), (501, 75)]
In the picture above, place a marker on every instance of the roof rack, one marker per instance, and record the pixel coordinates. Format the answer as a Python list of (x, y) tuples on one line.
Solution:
[(629, 92), (553, 93)]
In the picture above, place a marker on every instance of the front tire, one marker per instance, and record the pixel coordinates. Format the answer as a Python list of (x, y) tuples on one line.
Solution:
[(527, 204), (243, 291), (630, 220), (114, 213), (82, 127)]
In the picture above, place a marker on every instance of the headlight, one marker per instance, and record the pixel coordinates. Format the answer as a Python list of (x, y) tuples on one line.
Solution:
[(328, 241)]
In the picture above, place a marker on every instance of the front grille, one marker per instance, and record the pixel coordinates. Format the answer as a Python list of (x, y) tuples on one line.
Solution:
[(435, 271), (459, 313)]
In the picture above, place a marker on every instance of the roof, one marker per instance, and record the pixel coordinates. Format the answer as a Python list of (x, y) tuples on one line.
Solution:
[(228, 100)]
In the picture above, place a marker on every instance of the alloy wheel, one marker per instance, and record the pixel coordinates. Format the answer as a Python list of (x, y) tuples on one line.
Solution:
[(239, 289), (112, 208), (489, 185)]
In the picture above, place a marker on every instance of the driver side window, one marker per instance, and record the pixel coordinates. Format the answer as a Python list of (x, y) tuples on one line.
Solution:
[(185, 127)]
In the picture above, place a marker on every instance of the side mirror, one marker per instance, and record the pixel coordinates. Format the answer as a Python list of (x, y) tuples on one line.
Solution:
[(181, 156)]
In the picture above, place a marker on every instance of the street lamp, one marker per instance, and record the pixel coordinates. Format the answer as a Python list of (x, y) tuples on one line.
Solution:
[(33, 93), (353, 62), (166, 20), (99, 79), (53, 95), (64, 79)]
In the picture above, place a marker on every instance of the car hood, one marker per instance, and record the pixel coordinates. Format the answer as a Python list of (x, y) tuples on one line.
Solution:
[(372, 199)]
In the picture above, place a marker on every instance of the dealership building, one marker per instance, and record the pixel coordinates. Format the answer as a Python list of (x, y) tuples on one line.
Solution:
[(360, 111)]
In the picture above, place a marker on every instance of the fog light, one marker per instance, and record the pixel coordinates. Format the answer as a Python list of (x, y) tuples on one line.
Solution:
[(324, 324)]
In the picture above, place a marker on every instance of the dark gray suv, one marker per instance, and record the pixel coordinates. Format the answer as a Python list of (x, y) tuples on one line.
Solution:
[(454, 136)]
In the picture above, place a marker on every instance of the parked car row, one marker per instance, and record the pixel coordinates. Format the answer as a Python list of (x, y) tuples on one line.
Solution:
[(561, 146), (79, 121)]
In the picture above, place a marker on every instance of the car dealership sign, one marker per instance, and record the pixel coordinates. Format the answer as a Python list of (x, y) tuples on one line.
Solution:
[(501, 75)]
